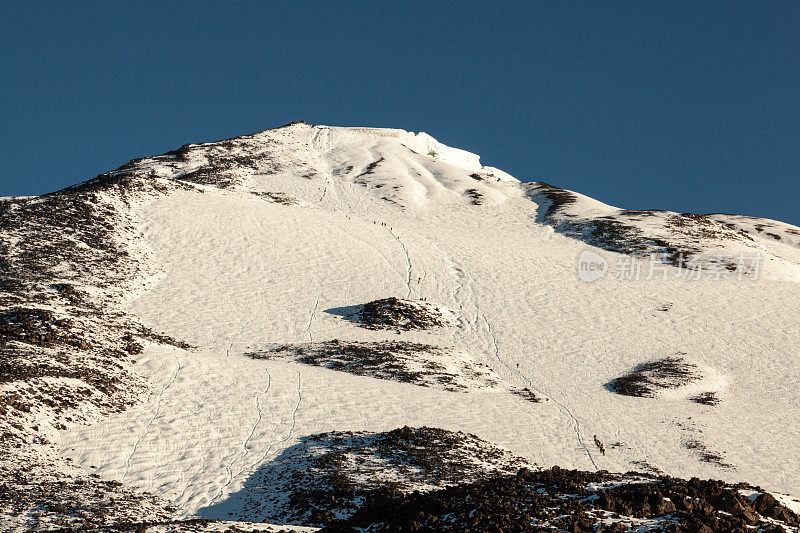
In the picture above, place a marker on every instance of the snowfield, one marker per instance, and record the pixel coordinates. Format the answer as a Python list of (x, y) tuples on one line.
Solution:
[(278, 231)]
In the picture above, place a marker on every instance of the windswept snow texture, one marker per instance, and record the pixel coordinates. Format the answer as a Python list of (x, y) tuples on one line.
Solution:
[(244, 244)]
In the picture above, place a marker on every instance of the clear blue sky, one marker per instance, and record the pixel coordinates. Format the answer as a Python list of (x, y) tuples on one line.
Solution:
[(688, 106)]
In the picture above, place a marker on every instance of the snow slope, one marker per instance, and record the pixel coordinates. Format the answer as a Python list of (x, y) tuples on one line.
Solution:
[(281, 228)]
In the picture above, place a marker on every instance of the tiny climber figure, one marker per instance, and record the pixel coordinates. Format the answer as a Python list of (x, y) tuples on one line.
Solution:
[(599, 445)]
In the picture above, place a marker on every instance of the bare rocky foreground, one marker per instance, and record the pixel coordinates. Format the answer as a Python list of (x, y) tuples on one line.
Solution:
[(574, 501), (415, 479)]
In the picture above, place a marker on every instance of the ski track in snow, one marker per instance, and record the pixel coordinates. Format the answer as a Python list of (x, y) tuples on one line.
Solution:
[(294, 412), (461, 281), (505, 415), (152, 419), (260, 412), (461, 284), (457, 274), (307, 330), (259, 417), (576, 424), (408, 262), (276, 445)]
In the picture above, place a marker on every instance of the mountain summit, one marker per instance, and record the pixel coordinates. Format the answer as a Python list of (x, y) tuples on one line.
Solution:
[(343, 328)]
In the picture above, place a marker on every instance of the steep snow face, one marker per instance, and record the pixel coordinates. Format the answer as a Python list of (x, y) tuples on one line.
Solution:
[(272, 235), (379, 169)]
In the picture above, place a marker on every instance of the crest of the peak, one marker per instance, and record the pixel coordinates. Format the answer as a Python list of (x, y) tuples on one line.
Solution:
[(356, 164), (322, 138)]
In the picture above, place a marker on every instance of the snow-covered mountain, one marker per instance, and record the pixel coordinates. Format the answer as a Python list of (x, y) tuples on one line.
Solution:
[(300, 325)]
